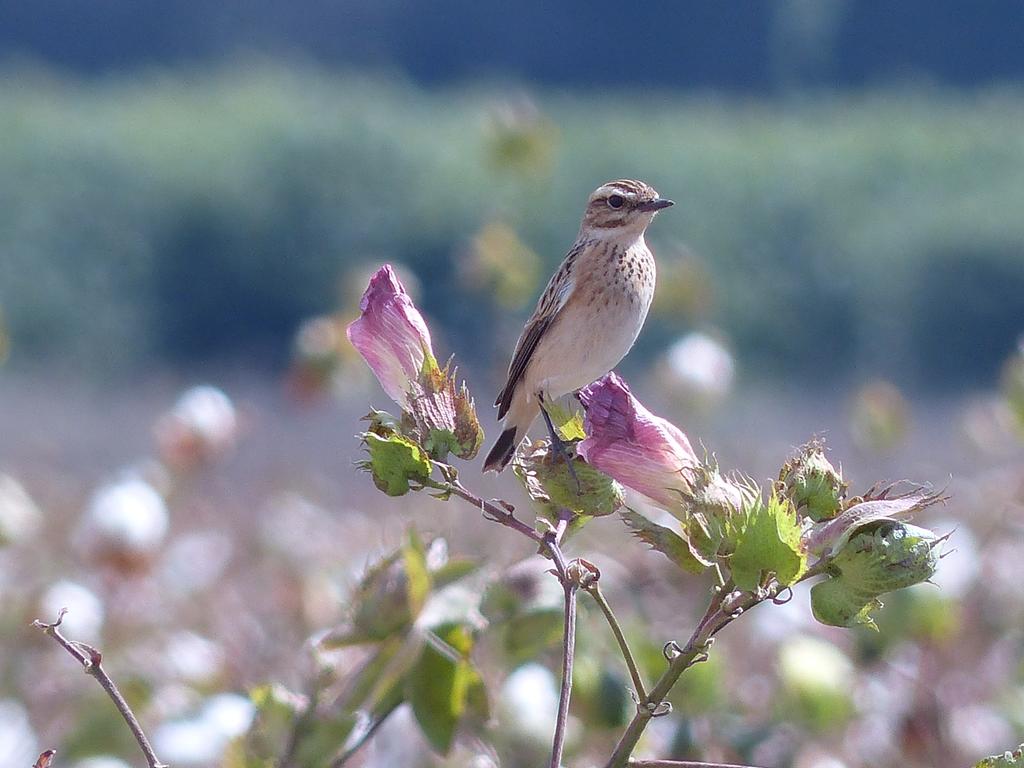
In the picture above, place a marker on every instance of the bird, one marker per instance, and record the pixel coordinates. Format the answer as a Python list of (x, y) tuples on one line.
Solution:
[(588, 316)]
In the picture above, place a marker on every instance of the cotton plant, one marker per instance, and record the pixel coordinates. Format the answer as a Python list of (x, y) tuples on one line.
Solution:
[(415, 628)]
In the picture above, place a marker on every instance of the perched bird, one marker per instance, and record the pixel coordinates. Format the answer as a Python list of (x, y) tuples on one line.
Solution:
[(588, 316)]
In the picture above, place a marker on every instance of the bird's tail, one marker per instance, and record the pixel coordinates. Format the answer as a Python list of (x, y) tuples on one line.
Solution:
[(517, 421), (503, 450)]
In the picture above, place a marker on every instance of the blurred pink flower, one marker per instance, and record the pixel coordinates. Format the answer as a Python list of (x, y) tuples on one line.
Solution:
[(391, 335), (640, 450)]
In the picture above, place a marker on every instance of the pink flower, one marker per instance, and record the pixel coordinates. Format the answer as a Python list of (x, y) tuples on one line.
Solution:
[(391, 335), (640, 450)]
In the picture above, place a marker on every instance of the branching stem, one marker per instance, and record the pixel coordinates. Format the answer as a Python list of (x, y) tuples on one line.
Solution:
[(91, 661), (569, 588)]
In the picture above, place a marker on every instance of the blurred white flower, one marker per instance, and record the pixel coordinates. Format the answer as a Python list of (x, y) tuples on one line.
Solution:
[(700, 366), (201, 740), (980, 730), (194, 561), (19, 515), (84, 619), (529, 699), (202, 426), (810, 664), (18, 745), (193, 658), (813, 757), (125, 523)]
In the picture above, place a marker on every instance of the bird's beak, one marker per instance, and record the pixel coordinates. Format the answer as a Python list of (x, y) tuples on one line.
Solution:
[(655, 205)]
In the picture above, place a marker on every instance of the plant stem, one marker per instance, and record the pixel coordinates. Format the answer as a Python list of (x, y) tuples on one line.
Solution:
[(606, 609), (490, 510), (719, 614), (91, 661), (569, 587)]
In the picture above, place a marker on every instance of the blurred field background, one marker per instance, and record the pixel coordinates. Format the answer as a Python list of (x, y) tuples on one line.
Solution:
[(198, 196)]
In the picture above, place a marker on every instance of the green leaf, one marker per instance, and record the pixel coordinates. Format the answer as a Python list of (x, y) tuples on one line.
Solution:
[(767, 542), (394, 462), (568, 424), (417, 577), (453, 570), (322, 738), (1008, 759), (663, 540), (440, 684), (276, 710)]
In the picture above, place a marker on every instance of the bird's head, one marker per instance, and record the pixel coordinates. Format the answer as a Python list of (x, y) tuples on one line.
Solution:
[(623, 206)]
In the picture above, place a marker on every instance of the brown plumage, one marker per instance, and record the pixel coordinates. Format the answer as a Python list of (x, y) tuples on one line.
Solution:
[(589, 315)]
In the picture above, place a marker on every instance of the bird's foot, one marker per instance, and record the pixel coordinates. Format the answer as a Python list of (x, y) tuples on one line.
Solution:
[(560, 449)]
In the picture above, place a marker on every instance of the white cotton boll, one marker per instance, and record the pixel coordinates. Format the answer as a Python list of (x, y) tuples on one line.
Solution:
[(209, 413), (193, 658), (700, 366), (20, 518), (195, 561), (202, 426), (18, 744), (231, 713), (529, 699), (125, 523), (201, 740), (980, 730), (811, 664), (84, 619)]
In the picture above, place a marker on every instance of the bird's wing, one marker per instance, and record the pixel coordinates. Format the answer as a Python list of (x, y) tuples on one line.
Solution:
[(554, 298)]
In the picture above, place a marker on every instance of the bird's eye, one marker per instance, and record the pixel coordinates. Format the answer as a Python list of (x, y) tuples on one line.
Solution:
[(615, 201)]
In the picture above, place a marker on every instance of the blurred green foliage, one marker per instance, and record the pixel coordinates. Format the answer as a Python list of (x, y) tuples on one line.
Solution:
[(200, 213)]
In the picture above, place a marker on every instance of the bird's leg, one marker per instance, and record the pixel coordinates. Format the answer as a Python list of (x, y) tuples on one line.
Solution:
[(558, 446)]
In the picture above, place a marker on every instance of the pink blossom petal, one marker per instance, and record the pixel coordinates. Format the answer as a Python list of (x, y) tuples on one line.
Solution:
[(391, 335), (625, 440)]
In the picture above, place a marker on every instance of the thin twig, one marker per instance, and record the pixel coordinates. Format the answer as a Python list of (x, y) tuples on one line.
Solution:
[(347, 755), (91, 661), (498, 514), (634, 672), (569, 587)]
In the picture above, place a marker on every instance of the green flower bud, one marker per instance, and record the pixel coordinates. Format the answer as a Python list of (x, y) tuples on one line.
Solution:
[(443, 415), (878, 559), (395, 462), (547, 480), (388, 598), (814, 485)]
